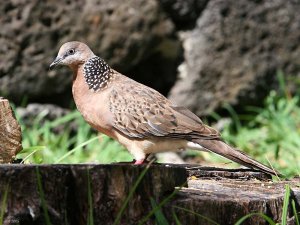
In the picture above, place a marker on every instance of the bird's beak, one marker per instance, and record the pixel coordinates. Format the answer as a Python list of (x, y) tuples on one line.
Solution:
[(56, 62)]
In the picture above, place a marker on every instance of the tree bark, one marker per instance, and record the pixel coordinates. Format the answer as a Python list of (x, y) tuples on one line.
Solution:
[(225, 196), (66, 192), (61, 193), (10, 133)]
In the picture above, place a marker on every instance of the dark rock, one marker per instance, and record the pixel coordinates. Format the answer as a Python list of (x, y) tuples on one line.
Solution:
[(184, 13), (234, 52), (159, 69), (39, 115), (124, 33), (44, 111)]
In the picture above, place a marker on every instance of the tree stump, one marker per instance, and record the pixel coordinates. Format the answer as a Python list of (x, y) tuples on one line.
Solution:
[(67, 189), (73, 194), (10, 133), (225, 196)]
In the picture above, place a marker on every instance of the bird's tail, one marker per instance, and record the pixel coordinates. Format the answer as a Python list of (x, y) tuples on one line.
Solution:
[(221, 148)]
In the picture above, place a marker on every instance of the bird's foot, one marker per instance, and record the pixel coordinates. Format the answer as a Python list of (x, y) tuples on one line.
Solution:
[(139, 162)]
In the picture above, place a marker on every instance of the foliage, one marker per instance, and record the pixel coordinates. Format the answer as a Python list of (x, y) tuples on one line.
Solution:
[(271, 134), (58, 141)]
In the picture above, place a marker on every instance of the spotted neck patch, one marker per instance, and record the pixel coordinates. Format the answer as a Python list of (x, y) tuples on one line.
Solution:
[(97, 73)]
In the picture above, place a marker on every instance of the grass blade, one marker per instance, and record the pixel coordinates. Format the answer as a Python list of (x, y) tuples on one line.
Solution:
[(282, 84), (42, 196), (158, 207), (197, 214), (285, 205), (295, 212), (234, 116), (177, 222), (65, 119), (34, 150), (120, 213), (160, 217), (266, 218), (76, 148)]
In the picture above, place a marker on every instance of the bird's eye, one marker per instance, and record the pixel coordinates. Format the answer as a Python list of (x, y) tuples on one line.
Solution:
[(71, 51)]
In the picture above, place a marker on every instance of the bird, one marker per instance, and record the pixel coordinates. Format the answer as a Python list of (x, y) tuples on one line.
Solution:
[(137, 116)]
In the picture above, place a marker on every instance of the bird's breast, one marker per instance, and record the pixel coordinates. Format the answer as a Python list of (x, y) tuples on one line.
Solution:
[(93, 106)]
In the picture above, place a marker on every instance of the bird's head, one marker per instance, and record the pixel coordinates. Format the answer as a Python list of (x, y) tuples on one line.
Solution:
[(72, 54)]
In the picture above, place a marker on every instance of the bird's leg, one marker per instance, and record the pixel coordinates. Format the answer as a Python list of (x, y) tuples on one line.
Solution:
[(139, 162)]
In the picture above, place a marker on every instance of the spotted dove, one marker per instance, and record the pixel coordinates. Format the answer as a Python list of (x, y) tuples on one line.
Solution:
[(137, 116)]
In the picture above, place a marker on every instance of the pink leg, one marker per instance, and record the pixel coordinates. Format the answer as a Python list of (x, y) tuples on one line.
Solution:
[(139, 162)]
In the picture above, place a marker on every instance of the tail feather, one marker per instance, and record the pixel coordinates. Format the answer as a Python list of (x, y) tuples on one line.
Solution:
[(221, 148)]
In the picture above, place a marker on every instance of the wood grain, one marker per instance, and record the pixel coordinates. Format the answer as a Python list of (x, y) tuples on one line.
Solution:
[(10, 133), (221, 195)]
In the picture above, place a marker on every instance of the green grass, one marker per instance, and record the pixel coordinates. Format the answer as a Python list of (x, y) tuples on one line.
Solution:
[(273, 134), (42, 197), (270, 134), (197, 215), (157, 207), (57, 142), (296, 214)]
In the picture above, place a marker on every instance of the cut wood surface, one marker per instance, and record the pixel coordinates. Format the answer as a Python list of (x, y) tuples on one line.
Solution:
[(227, 195), (10, 133), (221, 195)]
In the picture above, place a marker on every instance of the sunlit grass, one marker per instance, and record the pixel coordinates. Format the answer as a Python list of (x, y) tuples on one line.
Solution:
[(58, 141), (270, 134)]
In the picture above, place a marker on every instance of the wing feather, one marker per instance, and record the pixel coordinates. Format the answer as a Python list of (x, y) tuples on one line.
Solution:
[(141, 112)]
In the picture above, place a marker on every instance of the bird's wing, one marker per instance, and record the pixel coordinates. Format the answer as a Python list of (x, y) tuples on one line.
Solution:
[(141, 112)]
